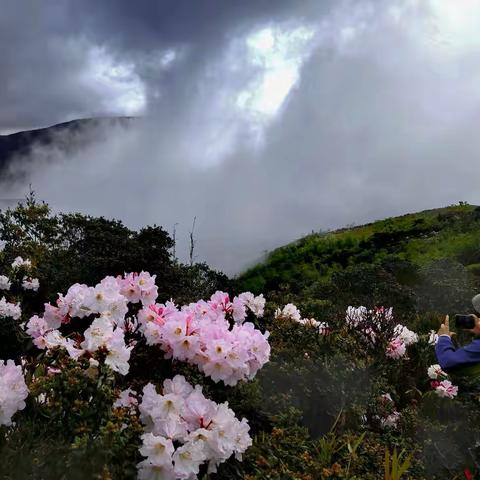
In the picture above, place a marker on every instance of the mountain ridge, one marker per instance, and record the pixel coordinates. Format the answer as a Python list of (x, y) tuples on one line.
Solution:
[(419, 258), (19, 144)]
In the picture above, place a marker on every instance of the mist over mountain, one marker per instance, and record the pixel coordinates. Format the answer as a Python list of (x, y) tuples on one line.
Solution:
[(16, 147)]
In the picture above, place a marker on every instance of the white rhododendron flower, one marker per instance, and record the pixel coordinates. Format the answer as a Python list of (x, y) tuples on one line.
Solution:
[(373, 323), (289, 311), (13, 391), (256, 304), (5, 283), (433, 338), (103, 334), (11, 310), (322, 327), (19, 262), (435, 372), (204, 431), (405, 335), (29, 283)]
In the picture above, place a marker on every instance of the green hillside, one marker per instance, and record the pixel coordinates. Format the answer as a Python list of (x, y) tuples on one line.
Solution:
[(428, 260)]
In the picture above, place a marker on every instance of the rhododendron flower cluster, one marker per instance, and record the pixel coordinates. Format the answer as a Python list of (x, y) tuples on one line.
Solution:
[(13, 391), (368, 322), (105, 333), (402, 338), (5, 283), (322, 327), (104, 299), (201, 334), (440, 383), (256, 304), (445, 388), (11, 310), (29, 283), (291, 312), (102, 334), (395, 349), (19, 262), (391, 421), (184, 430), (138, 287), (405, 335)]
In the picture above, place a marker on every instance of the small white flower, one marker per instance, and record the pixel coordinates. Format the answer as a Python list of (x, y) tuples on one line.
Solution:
[(435, 372), (5, 283), (29, 283)]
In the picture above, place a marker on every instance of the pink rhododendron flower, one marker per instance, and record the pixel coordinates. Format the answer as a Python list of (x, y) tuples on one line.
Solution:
[(445, 389), (13, 391), (200, 334), (138, 287), (396, 349), (127, 399)]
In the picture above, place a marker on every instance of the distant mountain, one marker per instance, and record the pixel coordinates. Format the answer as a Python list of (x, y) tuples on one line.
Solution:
[(19, 144)]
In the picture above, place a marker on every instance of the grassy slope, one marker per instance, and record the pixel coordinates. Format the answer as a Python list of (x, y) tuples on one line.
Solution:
[(451, 232)]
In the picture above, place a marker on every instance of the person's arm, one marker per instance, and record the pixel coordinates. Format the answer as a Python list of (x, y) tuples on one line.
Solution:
[(448, 357)]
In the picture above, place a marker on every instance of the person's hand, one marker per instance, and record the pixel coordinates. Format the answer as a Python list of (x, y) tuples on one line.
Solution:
[(476, 329), (445, 328)]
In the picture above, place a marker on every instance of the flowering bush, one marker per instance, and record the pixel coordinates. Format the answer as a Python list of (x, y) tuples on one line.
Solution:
[(101, 327), (291, 312), (377, 324), (114, 379)]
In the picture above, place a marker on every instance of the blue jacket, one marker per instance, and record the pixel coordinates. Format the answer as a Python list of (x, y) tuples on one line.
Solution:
[(450, 357)]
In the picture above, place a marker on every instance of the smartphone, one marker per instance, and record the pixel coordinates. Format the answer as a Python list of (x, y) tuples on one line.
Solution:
[(464, 322)]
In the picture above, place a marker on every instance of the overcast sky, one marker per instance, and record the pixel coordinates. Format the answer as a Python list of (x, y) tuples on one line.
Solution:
[(265, 119)]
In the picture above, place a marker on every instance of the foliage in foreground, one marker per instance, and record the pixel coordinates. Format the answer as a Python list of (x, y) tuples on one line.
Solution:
[(330, 403)]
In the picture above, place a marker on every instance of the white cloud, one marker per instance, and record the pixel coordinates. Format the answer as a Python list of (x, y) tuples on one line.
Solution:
[(121, 88), (278, 54)]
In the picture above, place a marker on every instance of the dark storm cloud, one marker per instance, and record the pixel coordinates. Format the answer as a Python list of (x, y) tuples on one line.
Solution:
[(45, 48), (382, 121)]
